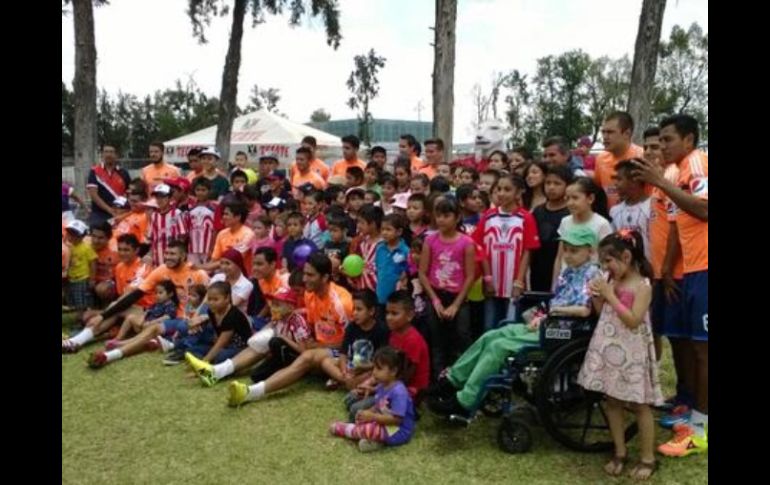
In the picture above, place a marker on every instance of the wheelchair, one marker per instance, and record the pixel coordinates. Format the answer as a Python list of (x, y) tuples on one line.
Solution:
[(544, 376)]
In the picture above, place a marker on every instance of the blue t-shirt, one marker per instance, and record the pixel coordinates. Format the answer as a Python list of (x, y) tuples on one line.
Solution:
[(572, 287), (396, 402), (160, 309), (390, 264)]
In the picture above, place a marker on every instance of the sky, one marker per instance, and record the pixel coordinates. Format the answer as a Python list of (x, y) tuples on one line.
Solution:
[(146, 45)]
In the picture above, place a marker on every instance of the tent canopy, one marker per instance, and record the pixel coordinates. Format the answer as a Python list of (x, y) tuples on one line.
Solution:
[(257, 134)]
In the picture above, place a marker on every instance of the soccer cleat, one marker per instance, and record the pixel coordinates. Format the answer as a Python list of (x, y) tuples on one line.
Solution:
[(197, 364), (237, 392), (174, 358), (684, 443), (166, 345), (679, 415), (112, 344), (97, 360), (332, 385)]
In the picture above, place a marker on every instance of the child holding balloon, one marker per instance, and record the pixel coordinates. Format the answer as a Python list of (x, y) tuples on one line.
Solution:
[(296, 249)]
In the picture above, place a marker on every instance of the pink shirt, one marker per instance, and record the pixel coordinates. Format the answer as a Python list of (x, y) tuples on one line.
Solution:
[(447, 262)]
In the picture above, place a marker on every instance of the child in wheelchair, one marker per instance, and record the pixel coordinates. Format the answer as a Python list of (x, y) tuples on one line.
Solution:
[(458, 392)]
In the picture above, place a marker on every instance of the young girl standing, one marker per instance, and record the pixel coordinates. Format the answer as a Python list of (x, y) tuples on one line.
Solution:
[(507, 233), (391, 421), (447, 271), (417, 215), (582, 200), (403, 173), (534, 175), (620, 361)]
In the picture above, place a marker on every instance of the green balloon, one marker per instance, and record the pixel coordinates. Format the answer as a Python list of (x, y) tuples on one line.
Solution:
[(353, 265)]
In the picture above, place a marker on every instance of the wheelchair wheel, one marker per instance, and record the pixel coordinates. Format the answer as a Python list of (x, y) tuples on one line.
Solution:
[(571, 415), (514, 436)]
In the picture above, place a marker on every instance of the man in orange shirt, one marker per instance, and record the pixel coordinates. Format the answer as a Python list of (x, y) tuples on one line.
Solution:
[(616, 135), (679, 139), (303, 172), (129, 274), (316, 164), (157, 171), (350, 144), (329, 309), (434, 154), (407, 146), (236, 235)]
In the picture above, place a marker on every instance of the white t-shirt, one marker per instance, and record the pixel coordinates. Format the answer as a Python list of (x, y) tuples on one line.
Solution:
[(241, 289), (635, 217), (598, 224)]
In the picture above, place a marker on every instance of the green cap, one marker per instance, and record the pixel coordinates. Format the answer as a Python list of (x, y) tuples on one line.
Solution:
[(580, 236)]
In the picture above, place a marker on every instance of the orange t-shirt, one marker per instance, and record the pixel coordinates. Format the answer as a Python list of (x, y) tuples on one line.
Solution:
[(134, 223), (328, 315), (693, 232), (341, 166), (105, 264), (300, 179), (131, 276), (605, 169), (242, 241), (183, 278), (416, 164), (317, 165), (154, 175), (663, 213), (429, 170), (271, 286)]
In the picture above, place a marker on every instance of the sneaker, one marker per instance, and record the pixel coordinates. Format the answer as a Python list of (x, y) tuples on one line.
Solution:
[(679, 415), (237, 392), (69, 347), (97, 360), (684, 443), (166, 345), (175, 358), (207, 377), (365, 446), (332, 385)]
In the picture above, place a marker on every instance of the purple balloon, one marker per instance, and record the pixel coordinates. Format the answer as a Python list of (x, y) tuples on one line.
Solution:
[(301, 254)]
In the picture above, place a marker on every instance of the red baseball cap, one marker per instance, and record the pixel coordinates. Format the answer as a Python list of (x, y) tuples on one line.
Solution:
[(180, 183), (284, 294)]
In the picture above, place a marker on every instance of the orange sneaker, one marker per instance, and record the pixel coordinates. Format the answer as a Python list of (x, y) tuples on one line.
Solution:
[(684, 443)]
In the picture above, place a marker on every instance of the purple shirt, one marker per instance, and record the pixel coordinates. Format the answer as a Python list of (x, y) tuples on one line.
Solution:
[(447, 262), (396, 402)]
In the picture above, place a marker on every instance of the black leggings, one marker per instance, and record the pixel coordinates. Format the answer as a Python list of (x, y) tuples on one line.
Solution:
[(449, 338), (281, 355)]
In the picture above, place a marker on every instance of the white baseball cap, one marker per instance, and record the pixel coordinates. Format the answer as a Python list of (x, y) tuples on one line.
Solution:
[(161, 189), (78, 227), (211, 151)]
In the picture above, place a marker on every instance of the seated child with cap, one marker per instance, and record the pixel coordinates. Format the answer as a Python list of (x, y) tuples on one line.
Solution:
[(276, 345), (458, 391)]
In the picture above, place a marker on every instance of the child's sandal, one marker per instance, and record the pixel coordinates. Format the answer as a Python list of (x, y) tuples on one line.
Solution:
[(614, 467), (643, 470)]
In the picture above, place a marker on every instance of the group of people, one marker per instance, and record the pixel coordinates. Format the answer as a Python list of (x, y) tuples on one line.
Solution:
[(254, 271)]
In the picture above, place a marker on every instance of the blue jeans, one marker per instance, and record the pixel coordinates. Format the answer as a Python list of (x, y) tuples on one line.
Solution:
[(200, 343), (495, 311)]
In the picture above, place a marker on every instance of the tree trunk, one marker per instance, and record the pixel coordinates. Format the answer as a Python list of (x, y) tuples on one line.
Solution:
[(444, 73), (228, 99), (645, 64), (84, 97)]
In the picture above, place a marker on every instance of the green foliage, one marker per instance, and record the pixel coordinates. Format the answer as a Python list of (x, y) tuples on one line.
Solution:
[(364, 86)]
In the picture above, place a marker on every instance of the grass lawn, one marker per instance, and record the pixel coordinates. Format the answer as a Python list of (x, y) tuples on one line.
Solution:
[(137, 421)]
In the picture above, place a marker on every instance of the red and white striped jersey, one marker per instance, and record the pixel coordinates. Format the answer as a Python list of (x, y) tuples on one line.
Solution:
[(504, 238), (202, 232), (164, 228), (366, 248)]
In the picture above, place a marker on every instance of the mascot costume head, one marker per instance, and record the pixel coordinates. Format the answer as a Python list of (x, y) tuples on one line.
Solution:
[(490, 137)]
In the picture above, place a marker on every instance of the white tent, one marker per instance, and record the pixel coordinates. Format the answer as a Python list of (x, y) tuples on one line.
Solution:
[(258, 134)]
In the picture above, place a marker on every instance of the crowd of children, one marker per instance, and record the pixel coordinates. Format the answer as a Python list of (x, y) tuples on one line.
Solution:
[(254, 272)]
